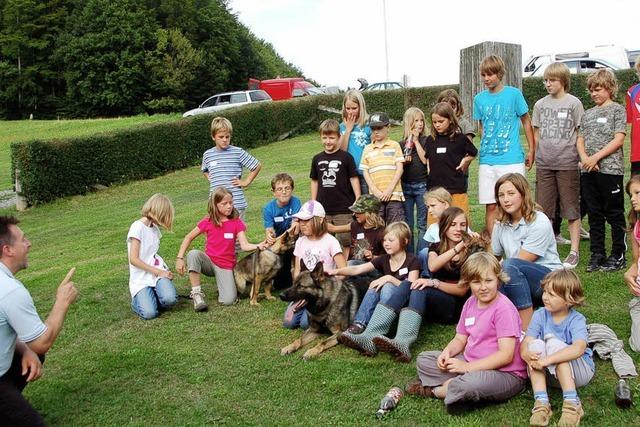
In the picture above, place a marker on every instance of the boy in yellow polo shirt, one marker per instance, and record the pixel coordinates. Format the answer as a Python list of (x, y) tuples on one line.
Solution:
[(381, 164)]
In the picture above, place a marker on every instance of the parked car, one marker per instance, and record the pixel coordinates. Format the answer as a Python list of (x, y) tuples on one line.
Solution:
[(577, 66), (633, 55), (222, 101), (285, 88), (384, 86), (613, 54)]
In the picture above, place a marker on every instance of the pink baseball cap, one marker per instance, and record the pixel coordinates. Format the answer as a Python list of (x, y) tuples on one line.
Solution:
[(309, 210)]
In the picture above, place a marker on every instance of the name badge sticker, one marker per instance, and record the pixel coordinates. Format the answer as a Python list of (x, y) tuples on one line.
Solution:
[(441, 150), (213, 163), (360, 236), (403, 271), (469, 321), (601, 120), (278, 219), (228, 235), (562, 114)]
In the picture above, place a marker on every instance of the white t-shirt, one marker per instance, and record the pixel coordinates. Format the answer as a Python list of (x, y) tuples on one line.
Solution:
[(149, 238)]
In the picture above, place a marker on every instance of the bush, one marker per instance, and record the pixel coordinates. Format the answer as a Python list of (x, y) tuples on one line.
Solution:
[(56, 168)]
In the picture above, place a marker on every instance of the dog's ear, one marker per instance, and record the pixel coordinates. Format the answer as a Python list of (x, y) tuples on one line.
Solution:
[(318, 272)]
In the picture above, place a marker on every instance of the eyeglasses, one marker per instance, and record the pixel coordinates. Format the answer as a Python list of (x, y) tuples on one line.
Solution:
[(282, 189)]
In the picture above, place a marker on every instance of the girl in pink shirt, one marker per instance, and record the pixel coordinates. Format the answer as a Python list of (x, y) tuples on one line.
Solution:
[(481, 363), (222, 227)]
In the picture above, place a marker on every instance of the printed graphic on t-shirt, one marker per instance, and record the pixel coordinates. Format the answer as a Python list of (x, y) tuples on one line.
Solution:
[(556, 124), (360, 246), (310, 259), (496, 127), (330, 170), (359, 137)]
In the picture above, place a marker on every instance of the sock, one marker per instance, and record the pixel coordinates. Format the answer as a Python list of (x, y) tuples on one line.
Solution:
[(571, 396), (196, 289), (542, 396)]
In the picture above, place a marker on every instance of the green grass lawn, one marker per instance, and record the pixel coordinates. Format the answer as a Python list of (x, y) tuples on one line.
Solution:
[(224, 366), (24, 130)]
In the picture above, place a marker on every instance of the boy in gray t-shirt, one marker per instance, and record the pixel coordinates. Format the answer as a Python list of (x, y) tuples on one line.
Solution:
[(556, 119), (600, 140)]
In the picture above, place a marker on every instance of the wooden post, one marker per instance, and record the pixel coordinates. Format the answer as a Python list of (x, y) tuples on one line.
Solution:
[(470, 81), (21, 201)]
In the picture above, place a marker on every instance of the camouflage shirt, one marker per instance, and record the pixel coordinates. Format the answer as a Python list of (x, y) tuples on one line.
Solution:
[(598, 127)]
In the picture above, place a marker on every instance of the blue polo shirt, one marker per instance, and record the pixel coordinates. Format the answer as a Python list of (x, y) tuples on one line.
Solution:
[(279, 217), (18, 317)]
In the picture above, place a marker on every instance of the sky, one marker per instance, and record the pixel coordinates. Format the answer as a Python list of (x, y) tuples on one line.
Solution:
[(335, 42)]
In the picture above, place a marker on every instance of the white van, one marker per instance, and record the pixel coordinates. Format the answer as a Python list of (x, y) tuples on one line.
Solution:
[(613, 54)]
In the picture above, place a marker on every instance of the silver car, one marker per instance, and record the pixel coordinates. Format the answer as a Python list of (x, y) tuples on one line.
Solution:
[(222, 101)]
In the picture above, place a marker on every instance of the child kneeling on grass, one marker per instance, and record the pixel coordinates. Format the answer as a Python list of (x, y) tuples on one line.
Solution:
[(555, 348), (481, 363)]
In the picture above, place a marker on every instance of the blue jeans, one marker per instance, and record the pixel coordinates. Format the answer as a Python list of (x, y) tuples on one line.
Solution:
[(523, 288), (148, 302), (431, 303), (414, 196), (364, 187), (297, 319), (423, 257), (372, 298)]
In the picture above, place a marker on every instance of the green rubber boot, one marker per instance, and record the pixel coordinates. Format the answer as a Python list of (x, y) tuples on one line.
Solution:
[(408, 328), (380, 323)]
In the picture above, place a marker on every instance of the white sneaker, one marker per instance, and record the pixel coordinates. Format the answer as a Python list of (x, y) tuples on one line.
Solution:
[(584, 234), (561, 240), (571, 261), (199, 304)]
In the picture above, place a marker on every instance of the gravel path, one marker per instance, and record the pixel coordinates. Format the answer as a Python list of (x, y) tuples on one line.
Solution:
[(7, 199)]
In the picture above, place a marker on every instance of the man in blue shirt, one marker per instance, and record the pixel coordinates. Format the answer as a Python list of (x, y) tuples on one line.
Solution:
[(24, 338)]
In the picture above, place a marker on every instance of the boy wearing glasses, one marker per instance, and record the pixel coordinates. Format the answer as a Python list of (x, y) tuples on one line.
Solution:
[(334, 180), (277, 216)]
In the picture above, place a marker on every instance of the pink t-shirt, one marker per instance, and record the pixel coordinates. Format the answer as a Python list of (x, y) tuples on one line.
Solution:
[(636, 235), (221, 241), (311, 252), (484, 326)]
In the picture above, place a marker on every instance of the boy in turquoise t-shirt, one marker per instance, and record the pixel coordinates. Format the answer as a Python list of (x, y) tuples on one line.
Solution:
[(500, 110)]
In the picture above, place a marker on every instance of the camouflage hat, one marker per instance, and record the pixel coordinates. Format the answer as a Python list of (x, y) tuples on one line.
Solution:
[(366, 203)]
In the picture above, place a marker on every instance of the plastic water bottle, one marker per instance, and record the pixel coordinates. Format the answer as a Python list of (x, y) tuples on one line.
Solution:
[(622, 393), (390, 401), (408, 146)]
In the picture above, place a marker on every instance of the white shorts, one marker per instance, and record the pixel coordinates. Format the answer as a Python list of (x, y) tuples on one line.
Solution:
[(488, 175)]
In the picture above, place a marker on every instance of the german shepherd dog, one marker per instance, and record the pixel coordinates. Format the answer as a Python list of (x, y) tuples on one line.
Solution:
[(331, 304), (261, 267), (476, 243)]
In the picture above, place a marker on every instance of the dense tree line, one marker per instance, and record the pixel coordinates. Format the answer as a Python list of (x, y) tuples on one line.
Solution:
[(88, 58)]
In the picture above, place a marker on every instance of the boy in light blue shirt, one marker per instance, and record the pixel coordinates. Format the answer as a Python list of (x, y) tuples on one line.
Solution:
[(500, 110)]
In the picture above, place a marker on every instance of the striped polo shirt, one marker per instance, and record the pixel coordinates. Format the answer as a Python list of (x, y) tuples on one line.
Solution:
[(381, 161), (223, 166)]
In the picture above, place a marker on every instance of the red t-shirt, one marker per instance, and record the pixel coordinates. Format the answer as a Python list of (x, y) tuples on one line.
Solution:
[(633, 117), (220, 245)]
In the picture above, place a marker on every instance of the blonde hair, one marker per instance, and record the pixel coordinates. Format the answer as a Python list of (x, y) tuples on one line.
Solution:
[(479, 266), (356, 97), (329, 126), (410, 117), (605, 79), (318, 226), (493, 64), (159, 210), (219, 124), (214, 198), (444, 110), (440, 194), (566, 284), (528, 207), (560, 71), (373, 220), (401, 230), (451, 96)]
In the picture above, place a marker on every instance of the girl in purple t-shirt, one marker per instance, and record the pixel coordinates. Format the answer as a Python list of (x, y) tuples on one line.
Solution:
[(481, 362), (222, 227)]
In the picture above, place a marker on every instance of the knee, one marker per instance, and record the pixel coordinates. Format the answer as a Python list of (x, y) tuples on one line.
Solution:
[(192, 259), (166, 293), (146, 312)]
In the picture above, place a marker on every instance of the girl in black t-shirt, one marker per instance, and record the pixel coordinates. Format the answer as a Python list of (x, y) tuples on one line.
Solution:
[(439, 298)]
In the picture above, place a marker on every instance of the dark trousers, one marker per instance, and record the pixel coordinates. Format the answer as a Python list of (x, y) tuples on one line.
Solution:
[(15, 410), (604, 197), (392, 211), (283, 279)]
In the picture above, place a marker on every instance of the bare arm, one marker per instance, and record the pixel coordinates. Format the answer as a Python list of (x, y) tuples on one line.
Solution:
[(249, 179), (437, 262), (246, 246), (181, 267), (355, 185), (502, 357), (314, 189), (332, 228), (631, 275), (296, 267), (372, 187), (206, 175), (528, 133), (572, 352), (422, 155), (354, 270), (30, 363), (386, 196), (134, 259), (527, 256)]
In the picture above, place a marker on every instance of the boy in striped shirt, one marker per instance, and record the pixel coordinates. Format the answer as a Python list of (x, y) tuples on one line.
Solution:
[(222, 165)]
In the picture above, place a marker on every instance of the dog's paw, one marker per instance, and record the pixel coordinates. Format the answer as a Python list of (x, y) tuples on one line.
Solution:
[(310, 354), (287, 350), (254, 303), (271, 297)]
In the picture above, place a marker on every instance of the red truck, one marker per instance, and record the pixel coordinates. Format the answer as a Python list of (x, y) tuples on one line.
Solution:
[(284, 88)]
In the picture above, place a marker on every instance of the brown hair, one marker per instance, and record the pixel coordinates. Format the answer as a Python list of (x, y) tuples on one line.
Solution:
[(6, 236), (281, 177), (493, 64), (448, 216), (633, 215), (443, 109), (478, 266), (216, 197), (566, 284), (605, 79), (329, 126), (159, 210), (318, 226), (401, 230), (560, 71), (219, 124), (452, 97), (528, 208)]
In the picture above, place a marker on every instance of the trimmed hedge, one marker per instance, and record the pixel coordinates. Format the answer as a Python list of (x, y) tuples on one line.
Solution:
[(50, 169)]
